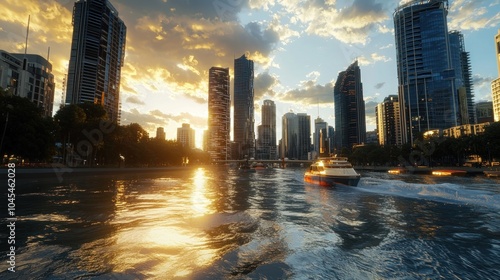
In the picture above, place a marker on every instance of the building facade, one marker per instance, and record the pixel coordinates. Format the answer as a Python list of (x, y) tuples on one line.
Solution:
[(160, 133), (463, 78), (219, 113), (266, 143), (186, 136), (427, 88), (484, 112), (388, 122), (296, 136), (495, 84), (318, 135), (243, 122), (97, 56), (28, 76), (350, 119)]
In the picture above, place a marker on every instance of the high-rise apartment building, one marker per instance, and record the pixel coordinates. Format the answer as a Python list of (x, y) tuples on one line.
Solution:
[(350, 119), (219, 113), (495, 85), (388, 121), (97, 54), (296, 136), (243, 122), (434, 79), (266, 144), (463, 78), (28, 76), (185, 136)]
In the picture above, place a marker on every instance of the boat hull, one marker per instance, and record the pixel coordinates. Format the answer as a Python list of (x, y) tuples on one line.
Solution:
[(331, 181)]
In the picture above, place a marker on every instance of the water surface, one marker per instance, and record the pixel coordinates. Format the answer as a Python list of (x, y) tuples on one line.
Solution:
[(217, 223)]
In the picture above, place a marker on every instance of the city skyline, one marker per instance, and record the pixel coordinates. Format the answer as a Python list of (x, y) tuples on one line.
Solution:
[(298, 49)]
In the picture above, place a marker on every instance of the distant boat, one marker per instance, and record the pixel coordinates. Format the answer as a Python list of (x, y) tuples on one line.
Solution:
[(246, 167), (492, 173), (332, 171), (449, 172), (397, 170), (258, 166)]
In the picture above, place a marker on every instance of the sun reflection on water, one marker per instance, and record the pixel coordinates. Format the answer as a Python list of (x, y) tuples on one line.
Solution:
[(199, 201), (155, 221)]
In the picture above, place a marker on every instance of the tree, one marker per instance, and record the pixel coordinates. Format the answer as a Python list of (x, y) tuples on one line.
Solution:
[(25, 132), (70, 120)]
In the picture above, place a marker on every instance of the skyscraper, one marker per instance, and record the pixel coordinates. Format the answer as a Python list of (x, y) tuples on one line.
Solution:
[(243, 125), (495, 84), (296, 136), (97, 53), (304, 135), (266, 144), (319, 125), (463, 78), (289, 134), (427, 76), (388, 121), (219, 113), (185, 136), (350, 120)]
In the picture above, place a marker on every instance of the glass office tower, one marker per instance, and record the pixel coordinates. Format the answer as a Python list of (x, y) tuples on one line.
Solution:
[(426, 77), (350, 119), (244, 134)]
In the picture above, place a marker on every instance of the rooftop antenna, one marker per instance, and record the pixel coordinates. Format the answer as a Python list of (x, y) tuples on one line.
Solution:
[(27, 33), (48, 54)]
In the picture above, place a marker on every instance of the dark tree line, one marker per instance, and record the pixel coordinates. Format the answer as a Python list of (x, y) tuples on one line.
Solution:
[(82, 135), (437, 151)]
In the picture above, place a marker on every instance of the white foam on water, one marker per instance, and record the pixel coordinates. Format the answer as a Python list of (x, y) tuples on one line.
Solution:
[(444, 192)]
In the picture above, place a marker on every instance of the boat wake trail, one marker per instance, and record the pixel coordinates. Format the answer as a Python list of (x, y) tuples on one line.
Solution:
[(443, 192)]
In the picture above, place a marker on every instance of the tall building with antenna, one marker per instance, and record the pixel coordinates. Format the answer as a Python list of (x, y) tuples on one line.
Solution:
[(97, 56)]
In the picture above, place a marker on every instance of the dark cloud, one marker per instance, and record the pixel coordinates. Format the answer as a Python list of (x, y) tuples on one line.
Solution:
[(379, 85), (263, 84)]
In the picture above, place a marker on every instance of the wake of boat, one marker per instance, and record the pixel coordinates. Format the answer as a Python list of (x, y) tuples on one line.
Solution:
[(445, 192)]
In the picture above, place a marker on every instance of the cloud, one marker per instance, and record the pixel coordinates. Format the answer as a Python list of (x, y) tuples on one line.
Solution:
[(374, 57), (134, 100), (263, 85), (349, 25), (472, 15), (309, 94)]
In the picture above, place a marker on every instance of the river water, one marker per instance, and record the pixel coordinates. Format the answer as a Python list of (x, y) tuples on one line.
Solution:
[(217, 223)]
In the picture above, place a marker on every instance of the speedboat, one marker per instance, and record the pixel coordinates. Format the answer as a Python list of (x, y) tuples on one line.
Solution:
[(332, 171)]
